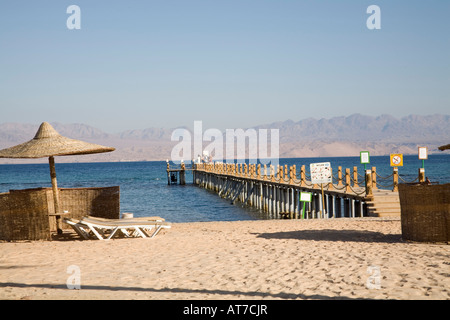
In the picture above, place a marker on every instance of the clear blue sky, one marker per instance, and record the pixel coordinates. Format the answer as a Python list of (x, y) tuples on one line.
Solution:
[(229, 63)]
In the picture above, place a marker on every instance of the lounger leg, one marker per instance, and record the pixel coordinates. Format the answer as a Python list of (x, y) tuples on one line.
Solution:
[(78, 229), (112, 233), (138, 230), (95, 232), (81, 232), (125, 232), (147, 231), (158, 228)]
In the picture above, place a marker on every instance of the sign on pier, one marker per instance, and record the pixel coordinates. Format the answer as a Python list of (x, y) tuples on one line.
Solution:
[(396, 160), (320, 172)]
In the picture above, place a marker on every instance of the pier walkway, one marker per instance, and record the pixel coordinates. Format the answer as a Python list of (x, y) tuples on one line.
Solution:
[(278, 192)]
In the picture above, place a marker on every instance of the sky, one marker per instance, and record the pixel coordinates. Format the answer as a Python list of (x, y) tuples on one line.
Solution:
[(228, 63)]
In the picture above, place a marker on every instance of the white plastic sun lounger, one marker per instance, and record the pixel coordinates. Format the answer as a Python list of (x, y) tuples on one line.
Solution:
[(81, 229), (153, 218), (105, 229)]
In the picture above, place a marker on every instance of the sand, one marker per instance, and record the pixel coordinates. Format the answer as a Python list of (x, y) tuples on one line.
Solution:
[(274, 259)]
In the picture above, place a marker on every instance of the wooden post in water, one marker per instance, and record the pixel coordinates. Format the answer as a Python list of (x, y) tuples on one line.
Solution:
[(333, 205), (279, 193), (183, 174), (168, 172)]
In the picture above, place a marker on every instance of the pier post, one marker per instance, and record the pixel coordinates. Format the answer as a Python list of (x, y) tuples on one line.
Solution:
[(333, 206), (374, 178), (338, 207), (291, 175), (421, 174), (355, 177), (347, 180), (361, 208), (369, 187), (330, 184), (168, 173), (353, 207), (279, 193), (293, 204), (183, 174), (346, 208), (302, 176), (262, 196), (339, 176), (395, 176)]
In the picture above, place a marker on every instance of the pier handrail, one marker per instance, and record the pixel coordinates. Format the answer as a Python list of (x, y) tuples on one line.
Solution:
[(349, 183)]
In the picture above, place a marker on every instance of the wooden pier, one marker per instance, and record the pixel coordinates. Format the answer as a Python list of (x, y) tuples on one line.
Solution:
[(277, 192), (177, 175)]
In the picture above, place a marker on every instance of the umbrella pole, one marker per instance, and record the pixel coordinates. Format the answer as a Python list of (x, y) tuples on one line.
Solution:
[(51, 161)]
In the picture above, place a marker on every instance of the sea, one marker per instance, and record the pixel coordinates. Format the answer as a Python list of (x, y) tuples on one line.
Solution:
[(144, 190)]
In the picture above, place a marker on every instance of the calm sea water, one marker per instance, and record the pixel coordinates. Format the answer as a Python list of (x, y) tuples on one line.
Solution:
[(144, 190)]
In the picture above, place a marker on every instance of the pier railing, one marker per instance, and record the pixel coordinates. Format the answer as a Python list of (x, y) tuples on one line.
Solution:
[(348, 180), (276, 190)]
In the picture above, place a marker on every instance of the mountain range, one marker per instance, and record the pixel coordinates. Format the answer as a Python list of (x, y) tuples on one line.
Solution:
[(337, 136)]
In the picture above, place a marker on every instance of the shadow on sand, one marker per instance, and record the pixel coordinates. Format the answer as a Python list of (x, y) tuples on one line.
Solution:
[(237, 294), (335, 235)]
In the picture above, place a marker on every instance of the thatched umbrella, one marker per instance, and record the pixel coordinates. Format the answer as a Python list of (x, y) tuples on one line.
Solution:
[(49, 143), (446, 147)]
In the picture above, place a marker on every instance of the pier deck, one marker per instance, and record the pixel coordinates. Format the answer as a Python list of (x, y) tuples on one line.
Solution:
[(278, 192)]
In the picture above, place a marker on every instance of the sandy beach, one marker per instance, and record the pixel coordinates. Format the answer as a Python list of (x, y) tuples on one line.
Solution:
[(272, 259)]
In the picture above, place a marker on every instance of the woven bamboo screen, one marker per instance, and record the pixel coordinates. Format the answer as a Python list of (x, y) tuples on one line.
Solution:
[(425, 212), (80, 202), (24, 213)]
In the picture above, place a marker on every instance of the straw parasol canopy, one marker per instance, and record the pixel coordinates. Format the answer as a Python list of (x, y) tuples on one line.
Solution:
[(49, 143), (446, 147)]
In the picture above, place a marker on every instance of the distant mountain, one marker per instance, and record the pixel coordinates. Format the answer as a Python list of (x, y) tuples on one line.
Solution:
[(147, 134), (338, 136), (21, 132), (361, 128)]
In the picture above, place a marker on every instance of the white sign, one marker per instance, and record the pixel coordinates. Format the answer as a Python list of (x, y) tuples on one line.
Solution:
[(320, 172), (365, 158), (423, 153), (305, 196)]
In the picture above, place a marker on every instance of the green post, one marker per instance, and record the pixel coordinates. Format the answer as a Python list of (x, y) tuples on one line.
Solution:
[(305, 197), (304, 209), (364, 157)]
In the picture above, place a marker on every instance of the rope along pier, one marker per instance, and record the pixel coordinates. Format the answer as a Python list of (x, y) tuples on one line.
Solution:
[(277, 192)]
